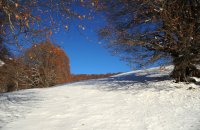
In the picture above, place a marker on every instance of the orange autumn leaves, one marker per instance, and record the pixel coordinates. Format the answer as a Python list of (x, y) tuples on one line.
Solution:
[(50, 57)]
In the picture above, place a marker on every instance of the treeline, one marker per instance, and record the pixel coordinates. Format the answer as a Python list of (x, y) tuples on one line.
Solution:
[(79, 77), (42, 65)]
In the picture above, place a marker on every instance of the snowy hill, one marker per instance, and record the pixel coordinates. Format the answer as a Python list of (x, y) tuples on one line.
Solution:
[(138, 100)]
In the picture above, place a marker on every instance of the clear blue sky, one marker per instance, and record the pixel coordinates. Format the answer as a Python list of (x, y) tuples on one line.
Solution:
[(86, 55)]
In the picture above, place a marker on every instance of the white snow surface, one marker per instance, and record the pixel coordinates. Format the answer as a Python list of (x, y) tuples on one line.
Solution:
[(138, 100), (1, 63)]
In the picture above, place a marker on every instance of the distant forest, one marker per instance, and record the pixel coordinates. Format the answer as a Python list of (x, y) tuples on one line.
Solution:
[(43, 65)]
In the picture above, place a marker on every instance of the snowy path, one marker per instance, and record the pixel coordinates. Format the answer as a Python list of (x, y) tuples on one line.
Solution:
[(116, 103)]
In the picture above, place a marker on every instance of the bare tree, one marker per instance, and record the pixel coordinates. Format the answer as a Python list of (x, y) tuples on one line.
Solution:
[(30, 20), (9, 75), (149, 30)]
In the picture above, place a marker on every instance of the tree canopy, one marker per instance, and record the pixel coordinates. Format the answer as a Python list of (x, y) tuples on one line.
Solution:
[(32, 19), (153, 29)]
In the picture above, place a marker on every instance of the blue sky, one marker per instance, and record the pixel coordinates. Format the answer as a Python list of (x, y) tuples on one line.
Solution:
[(86, 55)]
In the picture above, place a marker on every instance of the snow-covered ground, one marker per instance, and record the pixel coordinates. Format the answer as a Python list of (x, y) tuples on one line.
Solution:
[(1, 63), (138, 100)]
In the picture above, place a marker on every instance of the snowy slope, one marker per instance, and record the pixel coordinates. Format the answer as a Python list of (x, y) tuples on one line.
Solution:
[(138, 100)]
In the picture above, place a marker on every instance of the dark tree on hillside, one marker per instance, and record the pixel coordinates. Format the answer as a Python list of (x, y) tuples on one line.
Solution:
[(4, 51), (153, 29)]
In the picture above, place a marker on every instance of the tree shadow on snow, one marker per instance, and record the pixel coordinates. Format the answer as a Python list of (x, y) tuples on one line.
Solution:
[(15, 104), (134, 81)]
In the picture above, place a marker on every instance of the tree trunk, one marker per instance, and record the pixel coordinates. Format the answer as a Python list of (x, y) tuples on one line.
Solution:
[(183, 69)]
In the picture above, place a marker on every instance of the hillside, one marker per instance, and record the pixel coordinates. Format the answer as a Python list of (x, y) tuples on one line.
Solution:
[(137, 100)]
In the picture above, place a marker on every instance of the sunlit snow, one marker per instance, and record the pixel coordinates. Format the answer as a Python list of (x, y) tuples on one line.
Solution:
[(138, 100)]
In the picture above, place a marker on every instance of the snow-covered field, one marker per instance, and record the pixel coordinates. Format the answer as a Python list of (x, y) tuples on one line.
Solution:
[(138, 100)]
